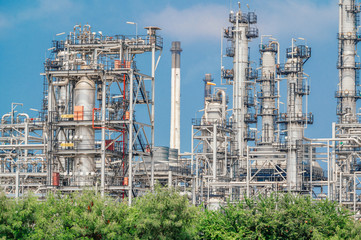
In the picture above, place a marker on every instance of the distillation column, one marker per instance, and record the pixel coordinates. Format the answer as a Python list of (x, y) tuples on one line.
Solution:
[(295, 130), (175, 97), (268, 92), (295, 119), (84, 98), (241, 33), (347, 94)]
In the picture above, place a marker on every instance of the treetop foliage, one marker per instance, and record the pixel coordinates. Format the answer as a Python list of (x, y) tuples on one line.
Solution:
[(165, 214)]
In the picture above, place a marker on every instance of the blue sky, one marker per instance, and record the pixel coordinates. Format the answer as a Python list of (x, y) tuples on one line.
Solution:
[(28, 27)]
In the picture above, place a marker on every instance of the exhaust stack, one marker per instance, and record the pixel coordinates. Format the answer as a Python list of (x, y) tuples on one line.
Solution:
[(175, 97)]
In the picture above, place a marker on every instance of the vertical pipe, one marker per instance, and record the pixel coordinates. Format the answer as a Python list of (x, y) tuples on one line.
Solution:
[(130, 146), (17, 182), (197, 169), (311, 168), (328, 169), (192, 169), (248, 172), (225, 157), (354, 195), (214, 152), (340, 189), (192, 153), (152, 120), (334, 172), (170, 179), (50, 134), (102, 178)]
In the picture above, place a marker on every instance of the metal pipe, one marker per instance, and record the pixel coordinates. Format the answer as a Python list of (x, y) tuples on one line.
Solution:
[(22, 115), (5, 116), (61, 83), (152, 117), (130, 145), (214, 152), (103, 147), (328, 170)]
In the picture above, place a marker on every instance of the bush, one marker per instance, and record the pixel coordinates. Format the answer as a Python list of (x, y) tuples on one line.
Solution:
[(164, 214), (279, 217), (17, 218)]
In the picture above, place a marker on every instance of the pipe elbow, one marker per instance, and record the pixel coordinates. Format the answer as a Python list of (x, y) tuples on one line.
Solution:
[(22, 115), (4, 117)]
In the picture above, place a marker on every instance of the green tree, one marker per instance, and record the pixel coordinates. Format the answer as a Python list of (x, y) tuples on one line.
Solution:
[(17, 217), (282, 216), (163, 214)]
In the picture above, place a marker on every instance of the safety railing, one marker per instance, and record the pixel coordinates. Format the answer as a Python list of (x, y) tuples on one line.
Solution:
[(211, 122)]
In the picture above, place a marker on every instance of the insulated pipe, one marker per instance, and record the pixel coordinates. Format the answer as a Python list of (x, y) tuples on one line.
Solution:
[(175, 97)]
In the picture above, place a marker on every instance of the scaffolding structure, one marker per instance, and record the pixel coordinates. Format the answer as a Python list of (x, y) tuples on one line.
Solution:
[(88, 136)]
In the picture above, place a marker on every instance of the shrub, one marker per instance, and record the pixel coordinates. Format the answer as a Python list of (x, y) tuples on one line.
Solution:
[(165, 214), (279, 217)]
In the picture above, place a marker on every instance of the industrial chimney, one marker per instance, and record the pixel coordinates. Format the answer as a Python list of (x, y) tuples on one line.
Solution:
[(175, 97)]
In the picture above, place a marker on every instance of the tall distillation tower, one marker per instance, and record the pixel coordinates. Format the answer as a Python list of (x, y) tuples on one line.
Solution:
[(348, 38), (241, 76), (347, 131), (295, 119), (269, 93)]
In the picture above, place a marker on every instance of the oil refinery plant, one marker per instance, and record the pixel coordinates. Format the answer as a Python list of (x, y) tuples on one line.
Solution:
[(96, 126)]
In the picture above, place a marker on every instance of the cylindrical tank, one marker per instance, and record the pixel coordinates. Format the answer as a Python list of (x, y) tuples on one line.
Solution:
[(161, 154), (84, 95)]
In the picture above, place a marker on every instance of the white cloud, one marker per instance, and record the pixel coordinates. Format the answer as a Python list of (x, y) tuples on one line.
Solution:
[(281, 18), (42, 9), (45, 8), (297, 18), (199, 22)]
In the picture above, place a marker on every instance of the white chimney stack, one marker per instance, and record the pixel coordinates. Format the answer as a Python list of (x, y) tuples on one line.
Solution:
[(175, 97)]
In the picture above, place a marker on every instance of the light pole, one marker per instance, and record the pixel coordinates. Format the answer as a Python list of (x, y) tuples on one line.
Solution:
[(136, 29)]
